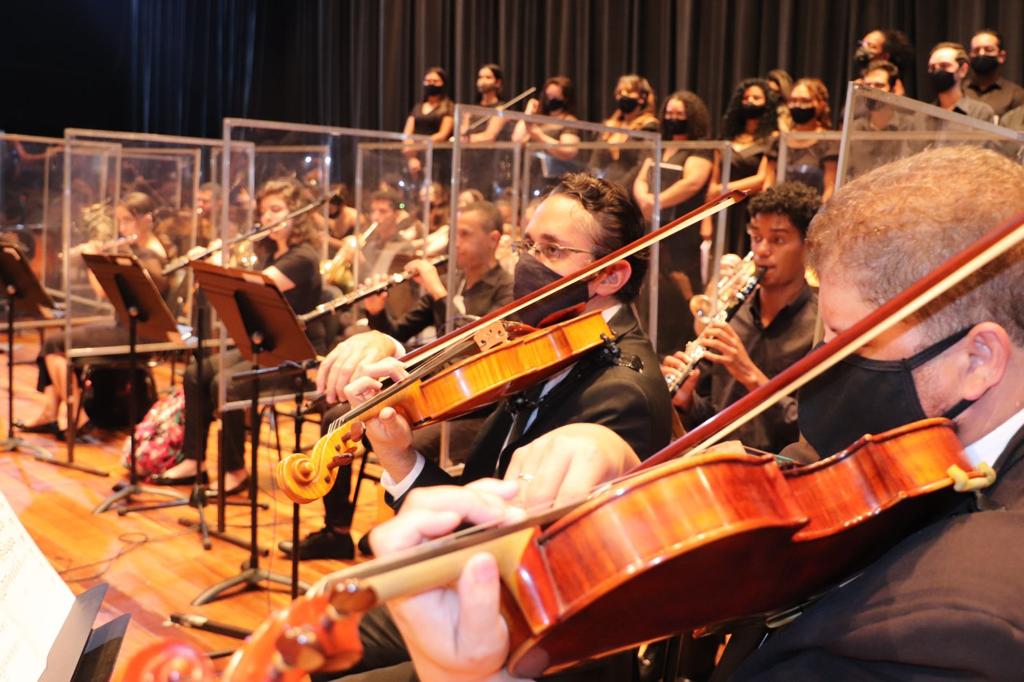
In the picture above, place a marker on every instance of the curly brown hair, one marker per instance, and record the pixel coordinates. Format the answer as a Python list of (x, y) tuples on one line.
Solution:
[(304, 229)]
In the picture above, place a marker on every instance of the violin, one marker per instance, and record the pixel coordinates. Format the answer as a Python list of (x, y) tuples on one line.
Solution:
[(704, 525), (307, 477), (463, 387)]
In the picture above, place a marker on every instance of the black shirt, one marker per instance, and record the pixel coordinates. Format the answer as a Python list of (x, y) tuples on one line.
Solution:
[(429, 123), (788, 338), (300, 264), (1002, 95), (807, 164), (492, 291)]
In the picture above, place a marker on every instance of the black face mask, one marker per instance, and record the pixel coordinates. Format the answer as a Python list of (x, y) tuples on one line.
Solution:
[(874, 104), (627, 105), (862, 57), (941, 80), (530, 276), (675, 126), (550, 106), (431, 90), (753, 110), (860, 396), (803, 114), (984, 64)]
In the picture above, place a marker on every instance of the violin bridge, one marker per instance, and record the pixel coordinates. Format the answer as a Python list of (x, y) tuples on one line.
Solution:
[(490, 336)]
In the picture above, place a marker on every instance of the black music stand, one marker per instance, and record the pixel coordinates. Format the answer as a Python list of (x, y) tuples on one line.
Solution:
[(25, 297), (82, 653), (267, 333), (131, 290)]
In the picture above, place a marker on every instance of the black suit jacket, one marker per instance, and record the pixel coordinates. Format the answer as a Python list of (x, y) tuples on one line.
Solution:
[(946, 603), (635, 404)]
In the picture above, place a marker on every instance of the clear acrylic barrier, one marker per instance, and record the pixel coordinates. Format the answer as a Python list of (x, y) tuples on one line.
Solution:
[(324, 159), (170, 169), (31, 176), (498, 169), (541, 165), (91, 179), (686, 263), (810, 158), (883, 127)]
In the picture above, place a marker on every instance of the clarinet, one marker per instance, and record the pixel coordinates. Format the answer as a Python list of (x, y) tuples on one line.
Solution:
[(732, 292), (360, 293)]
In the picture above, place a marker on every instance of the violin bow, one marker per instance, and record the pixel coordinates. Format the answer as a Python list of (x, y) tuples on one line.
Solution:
[(941, 279), (694, 217)]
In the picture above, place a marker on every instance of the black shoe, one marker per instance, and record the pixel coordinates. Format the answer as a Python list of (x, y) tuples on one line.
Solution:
[(322, 544), (242, 487), (364, 545), (182, 480), (49, 428)]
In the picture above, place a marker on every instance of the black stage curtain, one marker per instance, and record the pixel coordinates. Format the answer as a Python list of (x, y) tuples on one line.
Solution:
[(179, 66)]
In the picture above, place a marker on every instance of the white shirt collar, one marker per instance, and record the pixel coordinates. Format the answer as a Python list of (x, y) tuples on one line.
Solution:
[(988, 448)]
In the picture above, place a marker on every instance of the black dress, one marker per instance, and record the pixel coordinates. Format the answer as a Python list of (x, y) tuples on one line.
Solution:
[(679, 259), (745, 163)]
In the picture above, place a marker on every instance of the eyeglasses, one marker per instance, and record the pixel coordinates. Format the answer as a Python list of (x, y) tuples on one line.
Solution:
[(547, 250)]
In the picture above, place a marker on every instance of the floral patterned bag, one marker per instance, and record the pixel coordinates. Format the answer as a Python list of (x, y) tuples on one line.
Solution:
[(160, 436)]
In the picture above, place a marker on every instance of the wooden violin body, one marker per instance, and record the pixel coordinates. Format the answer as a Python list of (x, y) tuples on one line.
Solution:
[(712, 538), (694, 542), (463, 387)]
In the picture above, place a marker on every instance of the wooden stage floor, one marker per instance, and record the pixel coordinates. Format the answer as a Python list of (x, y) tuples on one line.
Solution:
[(153, 565)]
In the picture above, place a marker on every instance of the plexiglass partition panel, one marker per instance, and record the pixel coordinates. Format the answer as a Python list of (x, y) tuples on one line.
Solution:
[(883, 127), (31, 176), (614, 154), (810, 158), (686, 261), (91, 174), (173, 180), (377, 177)]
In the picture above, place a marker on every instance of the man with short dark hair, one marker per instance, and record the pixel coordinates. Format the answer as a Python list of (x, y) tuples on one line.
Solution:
[(769, 332), (947, 68), (877, 116), (986, 82), (481, 284)]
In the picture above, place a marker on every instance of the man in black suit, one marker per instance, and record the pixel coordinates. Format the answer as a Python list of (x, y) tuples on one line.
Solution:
[(618, 391), (583, 218), (946, 602)]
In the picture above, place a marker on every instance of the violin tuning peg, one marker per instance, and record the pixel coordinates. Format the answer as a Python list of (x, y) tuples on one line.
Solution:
[(349, 596), (300, 649)]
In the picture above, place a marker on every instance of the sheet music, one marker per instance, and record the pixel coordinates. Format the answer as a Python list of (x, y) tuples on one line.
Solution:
[(34, 601)]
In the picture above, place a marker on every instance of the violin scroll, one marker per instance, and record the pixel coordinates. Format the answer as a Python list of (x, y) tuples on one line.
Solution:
[(305, 477)]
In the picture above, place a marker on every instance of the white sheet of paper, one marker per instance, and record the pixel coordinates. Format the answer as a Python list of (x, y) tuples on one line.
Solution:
[(34, 601)]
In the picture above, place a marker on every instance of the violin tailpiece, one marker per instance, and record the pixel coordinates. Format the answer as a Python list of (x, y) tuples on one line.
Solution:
[(490, 336)]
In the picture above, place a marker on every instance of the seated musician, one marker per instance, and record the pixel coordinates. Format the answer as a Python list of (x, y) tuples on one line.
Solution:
[(134, 217), (944, 603), (482, 286), (769, 332), (294, 266), (583, 218)]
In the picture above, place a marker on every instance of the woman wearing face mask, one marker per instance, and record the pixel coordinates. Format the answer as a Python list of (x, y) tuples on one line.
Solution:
[(812, 162), (433, 116), (750, 125), (634, 110), (556, 102), (489, 83), (685, 174)]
